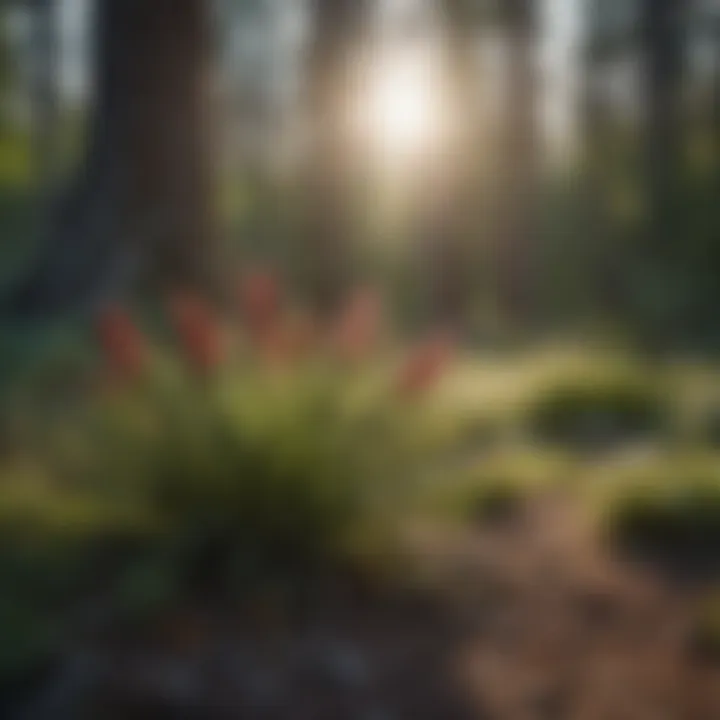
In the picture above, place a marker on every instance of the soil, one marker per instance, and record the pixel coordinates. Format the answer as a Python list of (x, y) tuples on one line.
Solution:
[(531, 618)]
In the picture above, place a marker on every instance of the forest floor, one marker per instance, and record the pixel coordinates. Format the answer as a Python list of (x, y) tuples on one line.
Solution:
[(527, 618), (529, 614)]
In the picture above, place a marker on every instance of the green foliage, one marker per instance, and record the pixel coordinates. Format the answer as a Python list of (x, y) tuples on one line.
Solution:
[(290, 466), (600, 406), (670, 508), (137, 498), (496, 498), (56, 545), (496, 487), (710, 427), (704, 635), (18, 203)]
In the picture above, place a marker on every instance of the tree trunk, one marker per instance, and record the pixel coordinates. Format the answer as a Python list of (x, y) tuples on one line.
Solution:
[(716, 90), (446, 213), (142, 204), (663, 39), (46, 89), (609, 271), (661, 260), (518, 169), (338, 31)]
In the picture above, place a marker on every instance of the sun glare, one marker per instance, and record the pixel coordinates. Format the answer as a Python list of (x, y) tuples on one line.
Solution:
[(402, 106)]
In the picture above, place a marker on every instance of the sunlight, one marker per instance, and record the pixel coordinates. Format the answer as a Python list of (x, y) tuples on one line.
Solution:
[(402, 106)]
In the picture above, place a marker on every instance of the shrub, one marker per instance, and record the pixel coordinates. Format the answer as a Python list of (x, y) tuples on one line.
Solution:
[(283, 468), (671, 511), (710, 427), (597, 408), (703, 641), (497, 487), (497, 499), (256, 479), (58, 553), (235, 473), (486, 496)]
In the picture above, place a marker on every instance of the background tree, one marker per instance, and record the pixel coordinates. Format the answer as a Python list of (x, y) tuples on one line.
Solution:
[(518, 168), (662, 34), (142, 203), (446, 218), (45, 100), (4, 59), (608, 35), (338, 29)]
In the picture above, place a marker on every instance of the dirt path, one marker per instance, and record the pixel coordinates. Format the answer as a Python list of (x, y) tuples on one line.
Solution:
[(559, 629)]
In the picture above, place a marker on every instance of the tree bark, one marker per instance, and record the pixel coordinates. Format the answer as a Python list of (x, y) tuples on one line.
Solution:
[(715, 109), (337, 35), (661, 260), (142, 204), (45, 112), (609, 280), (518, 168), (663, 39), (452, 187)]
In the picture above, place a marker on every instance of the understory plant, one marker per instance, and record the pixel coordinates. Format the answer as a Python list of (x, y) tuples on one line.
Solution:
[(668, 509), (259, 446)]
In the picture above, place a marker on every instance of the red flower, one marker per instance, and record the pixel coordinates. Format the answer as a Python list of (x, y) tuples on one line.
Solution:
[(121, 342), (301, 335), (259, 296), (199, 333), (285, 341), (425, 366), (358, 327)]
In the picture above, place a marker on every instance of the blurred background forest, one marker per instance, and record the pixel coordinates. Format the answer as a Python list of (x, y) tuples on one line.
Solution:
[(538, 166)]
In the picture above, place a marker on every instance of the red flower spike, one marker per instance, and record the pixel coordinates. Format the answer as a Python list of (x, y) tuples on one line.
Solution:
[(198, 332), (426, 366), (286, 341), (259, 297), (301, 334), (122, 344), (358, 328)]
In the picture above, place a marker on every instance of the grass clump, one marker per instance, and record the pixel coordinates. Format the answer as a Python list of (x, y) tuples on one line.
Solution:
[(279, 472), (597, 407), (58, 551), (497, 499), (669, 510), (256, 480), (221, 469), (704, 633), (498, 487)]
